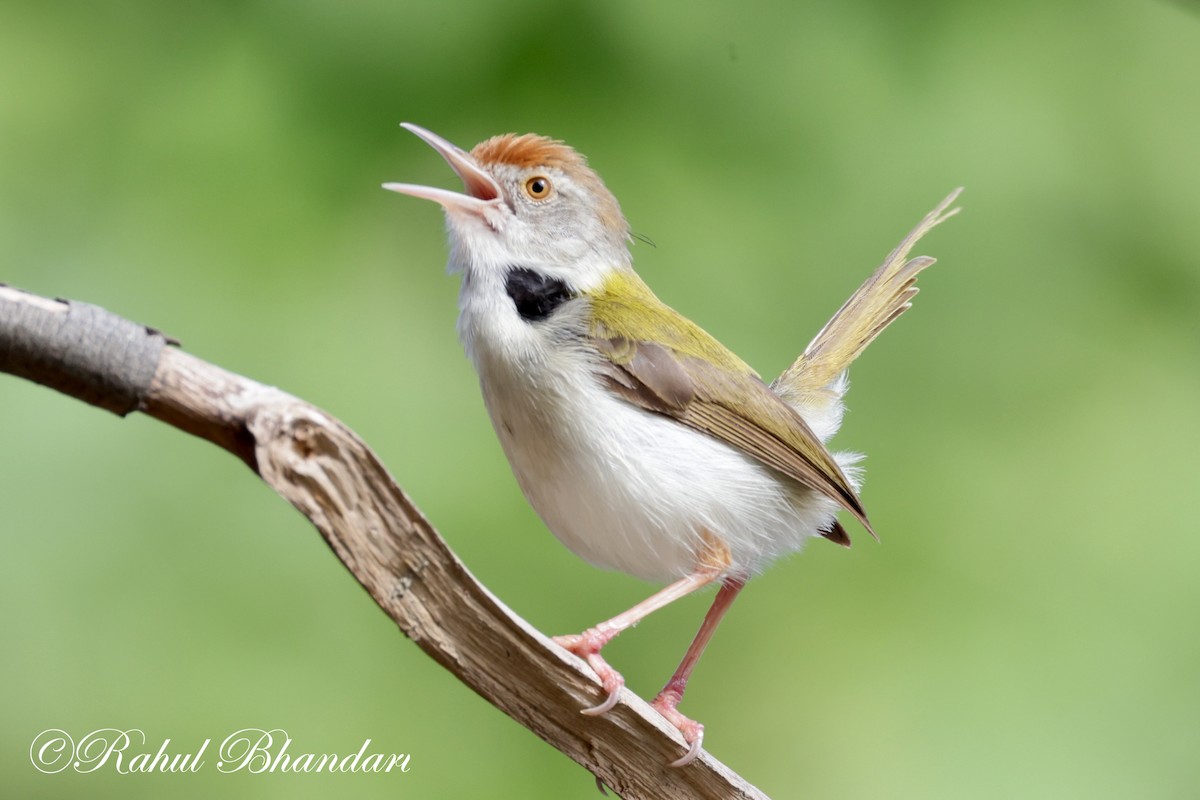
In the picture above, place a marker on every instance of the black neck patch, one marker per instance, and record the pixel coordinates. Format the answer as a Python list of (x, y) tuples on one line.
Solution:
[(535, 295)]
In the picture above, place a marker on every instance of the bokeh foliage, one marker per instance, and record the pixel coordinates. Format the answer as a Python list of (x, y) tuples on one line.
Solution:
[(1026, 629)]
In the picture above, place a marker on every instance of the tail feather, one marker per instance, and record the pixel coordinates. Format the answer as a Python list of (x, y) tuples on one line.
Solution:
[(813, 379), (836, 534)]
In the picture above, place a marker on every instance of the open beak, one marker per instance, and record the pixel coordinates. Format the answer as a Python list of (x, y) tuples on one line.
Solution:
[(482, 191)]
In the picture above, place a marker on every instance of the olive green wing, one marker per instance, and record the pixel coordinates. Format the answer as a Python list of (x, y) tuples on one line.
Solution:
[(657, 359), (883, 297)]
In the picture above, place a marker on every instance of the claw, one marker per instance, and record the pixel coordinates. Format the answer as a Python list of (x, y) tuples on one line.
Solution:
[(693, 732), (608, 705), (693, 750), (610, 679), (588, 648)]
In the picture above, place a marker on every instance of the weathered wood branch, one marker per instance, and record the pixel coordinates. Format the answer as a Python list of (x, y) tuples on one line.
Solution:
[(322, 468)]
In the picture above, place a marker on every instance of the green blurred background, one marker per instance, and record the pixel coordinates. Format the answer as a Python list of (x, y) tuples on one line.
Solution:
[(1028, 628)]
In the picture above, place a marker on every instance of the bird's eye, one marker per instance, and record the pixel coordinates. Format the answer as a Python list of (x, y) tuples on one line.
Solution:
[(538, 187)]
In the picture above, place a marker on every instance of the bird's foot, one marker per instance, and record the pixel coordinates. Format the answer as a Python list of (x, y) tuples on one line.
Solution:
[(587, 645), (693, 732)]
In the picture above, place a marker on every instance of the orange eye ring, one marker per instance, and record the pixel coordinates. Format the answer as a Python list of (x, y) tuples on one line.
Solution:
[(538, 187)]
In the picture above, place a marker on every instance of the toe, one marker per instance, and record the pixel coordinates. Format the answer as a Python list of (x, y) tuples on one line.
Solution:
[(610, 679), (693, 732)]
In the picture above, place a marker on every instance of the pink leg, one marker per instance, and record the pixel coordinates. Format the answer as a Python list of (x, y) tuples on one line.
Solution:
[(587, 645), (672, 693)]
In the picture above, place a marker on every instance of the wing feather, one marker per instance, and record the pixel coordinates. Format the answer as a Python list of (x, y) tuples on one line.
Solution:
[(733, 407)]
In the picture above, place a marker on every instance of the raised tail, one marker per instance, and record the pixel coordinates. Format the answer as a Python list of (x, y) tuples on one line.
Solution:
[(815, 382)]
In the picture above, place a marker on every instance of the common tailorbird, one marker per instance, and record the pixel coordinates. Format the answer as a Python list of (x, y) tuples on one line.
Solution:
[(643, 443)]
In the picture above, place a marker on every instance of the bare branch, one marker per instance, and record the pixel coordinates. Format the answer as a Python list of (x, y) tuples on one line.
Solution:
[(322, 468)]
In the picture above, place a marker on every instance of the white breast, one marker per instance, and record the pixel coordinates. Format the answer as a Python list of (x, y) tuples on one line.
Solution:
[(623, 488)]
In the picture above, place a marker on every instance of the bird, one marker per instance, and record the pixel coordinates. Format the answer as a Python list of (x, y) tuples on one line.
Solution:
[(644, 444)]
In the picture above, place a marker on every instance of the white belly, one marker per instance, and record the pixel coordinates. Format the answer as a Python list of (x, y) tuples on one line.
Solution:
[(633, 491)]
